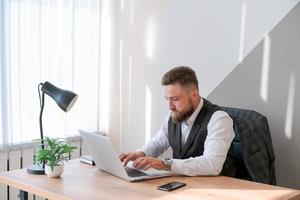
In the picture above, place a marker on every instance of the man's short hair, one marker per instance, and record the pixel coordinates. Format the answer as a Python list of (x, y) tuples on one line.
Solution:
[(183, 75)]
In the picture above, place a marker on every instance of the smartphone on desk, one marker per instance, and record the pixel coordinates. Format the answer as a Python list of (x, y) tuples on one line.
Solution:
[(171, 186)]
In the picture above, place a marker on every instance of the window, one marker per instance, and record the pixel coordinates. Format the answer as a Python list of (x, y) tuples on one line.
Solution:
[(48, 40)]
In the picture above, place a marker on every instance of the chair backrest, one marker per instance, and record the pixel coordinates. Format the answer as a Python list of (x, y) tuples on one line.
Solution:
[(252, 143), (241, 170)]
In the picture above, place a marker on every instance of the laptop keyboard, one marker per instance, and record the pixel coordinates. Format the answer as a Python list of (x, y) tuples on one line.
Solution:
[(134, 173)]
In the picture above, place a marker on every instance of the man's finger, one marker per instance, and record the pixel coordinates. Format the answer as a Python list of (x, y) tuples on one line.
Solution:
[(137, 161), (148, 166), (125, 161), (128, 158), (142, 163), (122, 156)]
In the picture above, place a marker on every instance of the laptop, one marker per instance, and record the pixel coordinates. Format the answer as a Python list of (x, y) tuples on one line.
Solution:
[(106, 159)]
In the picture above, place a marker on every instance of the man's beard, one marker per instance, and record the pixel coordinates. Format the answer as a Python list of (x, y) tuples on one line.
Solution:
[(179, 117)]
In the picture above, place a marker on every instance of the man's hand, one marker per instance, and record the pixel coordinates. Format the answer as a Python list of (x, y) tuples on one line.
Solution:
[(126, 157), (148, 162)]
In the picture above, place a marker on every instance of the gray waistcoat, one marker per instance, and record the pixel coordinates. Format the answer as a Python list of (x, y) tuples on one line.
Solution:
[(194, 145)]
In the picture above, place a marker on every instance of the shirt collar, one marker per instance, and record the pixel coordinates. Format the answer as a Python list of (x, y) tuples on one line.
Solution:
[(192, 118)]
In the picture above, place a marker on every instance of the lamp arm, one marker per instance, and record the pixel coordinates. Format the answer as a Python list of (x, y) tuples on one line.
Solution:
[(41, 123)]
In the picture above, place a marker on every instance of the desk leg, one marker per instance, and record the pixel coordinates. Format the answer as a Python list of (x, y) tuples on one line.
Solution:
[(23, 195)]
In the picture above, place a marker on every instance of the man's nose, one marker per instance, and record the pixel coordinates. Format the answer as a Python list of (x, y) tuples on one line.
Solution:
[(171, 105)]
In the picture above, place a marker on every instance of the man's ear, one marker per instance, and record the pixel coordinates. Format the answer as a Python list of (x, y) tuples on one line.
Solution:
[(195, 92)]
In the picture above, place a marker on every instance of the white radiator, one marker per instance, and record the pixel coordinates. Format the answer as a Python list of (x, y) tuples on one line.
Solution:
[(21, 156)]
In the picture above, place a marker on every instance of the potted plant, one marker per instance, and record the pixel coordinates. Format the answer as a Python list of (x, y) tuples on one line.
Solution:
[(53, 155)]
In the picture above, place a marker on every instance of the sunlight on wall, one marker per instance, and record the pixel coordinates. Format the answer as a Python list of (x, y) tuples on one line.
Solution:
[(242, 31), (122, 5), (148, 114), (131, 12), (129, 90), (290, 106), (149, 38), (265, 69), (120, 88), (105, 62)]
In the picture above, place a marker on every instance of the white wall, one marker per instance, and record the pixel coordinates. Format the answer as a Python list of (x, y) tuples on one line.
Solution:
[(153, 36)]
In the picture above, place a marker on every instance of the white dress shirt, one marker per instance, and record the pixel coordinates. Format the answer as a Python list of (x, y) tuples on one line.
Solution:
[(219, 138)]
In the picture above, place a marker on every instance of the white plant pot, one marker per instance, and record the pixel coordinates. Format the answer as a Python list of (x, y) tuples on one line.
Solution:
[(57, 171)]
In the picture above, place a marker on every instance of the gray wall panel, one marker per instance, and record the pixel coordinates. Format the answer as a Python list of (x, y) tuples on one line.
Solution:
[(243, 86)]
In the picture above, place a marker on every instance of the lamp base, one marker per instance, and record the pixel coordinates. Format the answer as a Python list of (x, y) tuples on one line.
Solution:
[(36, 169)]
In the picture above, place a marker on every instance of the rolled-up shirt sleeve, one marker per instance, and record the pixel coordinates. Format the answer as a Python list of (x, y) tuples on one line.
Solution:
[(218, 140)]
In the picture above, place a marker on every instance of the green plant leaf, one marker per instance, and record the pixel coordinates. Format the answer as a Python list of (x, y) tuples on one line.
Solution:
[(55, 152)]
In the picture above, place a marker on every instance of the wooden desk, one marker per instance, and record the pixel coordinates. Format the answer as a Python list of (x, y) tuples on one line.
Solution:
[(85, 182)]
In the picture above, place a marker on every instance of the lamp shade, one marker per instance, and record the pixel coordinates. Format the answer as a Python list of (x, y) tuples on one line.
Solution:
[(65, 99)]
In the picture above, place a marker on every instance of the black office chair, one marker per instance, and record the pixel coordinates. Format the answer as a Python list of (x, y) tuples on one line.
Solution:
[(252, 145)]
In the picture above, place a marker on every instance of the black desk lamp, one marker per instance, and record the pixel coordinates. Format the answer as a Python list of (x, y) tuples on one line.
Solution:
[(65, 100)]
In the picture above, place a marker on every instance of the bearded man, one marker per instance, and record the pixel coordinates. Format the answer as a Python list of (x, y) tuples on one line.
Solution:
[(199, 132)]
